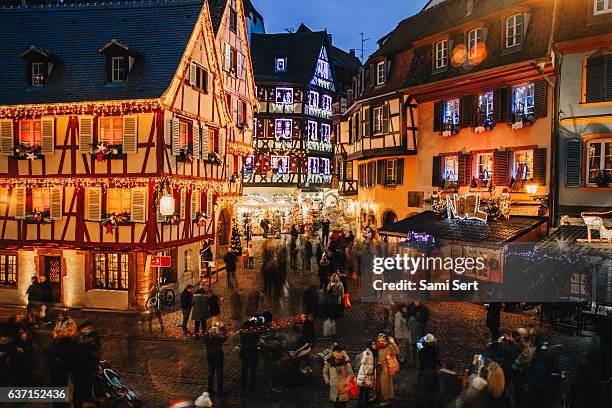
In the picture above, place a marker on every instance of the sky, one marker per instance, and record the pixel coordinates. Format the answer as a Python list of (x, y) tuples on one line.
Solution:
[(342, 18)]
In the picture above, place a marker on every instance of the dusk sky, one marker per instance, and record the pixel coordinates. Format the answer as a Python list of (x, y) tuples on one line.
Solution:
[(342, 18)]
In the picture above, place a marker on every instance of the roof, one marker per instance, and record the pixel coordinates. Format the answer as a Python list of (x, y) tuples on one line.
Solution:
[(75, 33), (301, 49), (570, 234), (469, 231), (216, 7), (576, 20), (250, 8)]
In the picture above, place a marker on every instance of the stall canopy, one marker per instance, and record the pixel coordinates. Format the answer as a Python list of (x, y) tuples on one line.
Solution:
[(465, 230)]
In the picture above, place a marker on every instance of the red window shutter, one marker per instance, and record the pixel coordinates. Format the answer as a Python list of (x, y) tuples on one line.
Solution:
[(501, 168), (465, 170)]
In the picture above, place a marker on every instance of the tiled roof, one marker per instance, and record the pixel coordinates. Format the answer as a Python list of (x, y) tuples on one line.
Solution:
[(576, 20), (565, 238), (301, 49), (217, 7), (157, 30), (471, 231)]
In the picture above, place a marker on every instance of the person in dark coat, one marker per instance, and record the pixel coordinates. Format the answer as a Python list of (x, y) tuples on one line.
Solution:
[(200, 311), (493, 319), (308, 251), (293, 254), (323, 273), (214, 307), (207, 255), (309, 335), (215, 337), (249, 352), (186, 305), (86, 355), (325, 231), (429, 355), (34, 299), (294, 233), (418, 309), (230, 269), (319, 250), (46, 295)]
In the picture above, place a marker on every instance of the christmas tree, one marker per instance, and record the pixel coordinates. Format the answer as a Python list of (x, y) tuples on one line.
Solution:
[(337, 218), (235, 245)]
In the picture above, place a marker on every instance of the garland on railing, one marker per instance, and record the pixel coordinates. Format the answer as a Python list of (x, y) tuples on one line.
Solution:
[(111, 221), (103, 151)]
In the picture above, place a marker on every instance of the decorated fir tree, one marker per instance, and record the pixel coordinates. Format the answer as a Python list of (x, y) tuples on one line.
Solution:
[(235, 245), (337, 218)]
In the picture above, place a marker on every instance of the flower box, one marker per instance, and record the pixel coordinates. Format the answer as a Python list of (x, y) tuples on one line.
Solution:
[(215, 158), (185, 155), (39, 217), (26, 152), (102, 152)]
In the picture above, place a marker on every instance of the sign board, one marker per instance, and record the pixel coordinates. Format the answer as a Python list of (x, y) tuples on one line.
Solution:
[(160, 261), (465, 207)]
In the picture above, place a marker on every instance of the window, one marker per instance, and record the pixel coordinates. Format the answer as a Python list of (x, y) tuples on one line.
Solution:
[(326, 103), (451, 112), (484, 166), (233, 20), (111, 271), (599, 161), (378, 120), (29, 132), (188, 260), (118, 200), (284, 95), (602, 6), (280, 164), (118, 69), (249, 164), (441, 57), (41, 199), (380, 73), (313, 165), (197, 77), (8, 270), (280, 64), (485, 106), (313, 99), (597, 78), (325, 169), (451, 168), (323, 69), (391, 171), (241, 113), (474, 46), (523, 165), (325, 133), (514, 30), (523, 99), (312, 131), (183, 134), (38, 73), (111, 130), (282, 129)]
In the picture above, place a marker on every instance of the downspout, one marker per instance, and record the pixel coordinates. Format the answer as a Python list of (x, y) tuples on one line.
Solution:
[(553, 198)]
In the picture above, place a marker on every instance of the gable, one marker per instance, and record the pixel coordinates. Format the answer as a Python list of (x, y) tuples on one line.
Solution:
[(323, 76)]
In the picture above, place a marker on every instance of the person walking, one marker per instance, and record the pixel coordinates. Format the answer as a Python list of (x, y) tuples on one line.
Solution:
[(387, 350), (335, 291), (230, 269), (366, 379), (402, 333), (46, 297), (206, 254), (249, 352), (34, 300), (186, 305), (429, 355), (337, 374), (493, 319), (323, 273), (214, 308), (307, 254), (214, 339), (200, 311), (293, 253), (416, 332), (325, 231)]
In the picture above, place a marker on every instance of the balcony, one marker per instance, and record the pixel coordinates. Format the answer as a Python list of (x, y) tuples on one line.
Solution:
[(317, 112), (319, 146), (282, 107), (347, 187), (269, 179), (309, 179)]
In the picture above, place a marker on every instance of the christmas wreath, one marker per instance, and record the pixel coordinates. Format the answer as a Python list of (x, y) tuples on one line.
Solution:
[(39, 217), (25, 151), (113, 220)]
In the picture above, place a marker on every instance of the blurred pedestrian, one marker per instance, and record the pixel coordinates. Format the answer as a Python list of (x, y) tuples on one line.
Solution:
[(34, 300), (325, 231), (307, 254), (337, 373), (214, 307), (214, 339), (230, 269), (493, 319), (200, 312), (402, 333), (416, 332), (186, 305), (249, 352), (323, 273)]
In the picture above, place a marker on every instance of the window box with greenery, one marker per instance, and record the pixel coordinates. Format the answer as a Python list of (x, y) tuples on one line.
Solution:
[(173, 219), (200, 218), (36, 138), (24, 151), (103, 151), (39, 217), (113, 220)]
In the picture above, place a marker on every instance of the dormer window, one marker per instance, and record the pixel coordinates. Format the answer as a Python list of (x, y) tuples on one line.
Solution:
[(380, 73), (39, 76), (602, 6), (39, 64), (280, 64), (119, 61), (118, 69), (233, 20), (514, 30), (441, 54), (474, 45)]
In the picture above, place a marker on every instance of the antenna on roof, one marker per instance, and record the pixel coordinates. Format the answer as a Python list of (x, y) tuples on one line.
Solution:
[(290, 30), (363, 40)]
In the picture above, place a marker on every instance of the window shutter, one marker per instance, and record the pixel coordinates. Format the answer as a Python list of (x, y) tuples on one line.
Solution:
[(204, 142), (539, 166), (160, 217), (196, 140), (130, 134), (240, 64), (501, 105), (501, 168), (94, 203), (193, 73), (608, 84), (595, 78), (380, 172), (465, 170), (85, 133), (7, 138), (20, 203), (573, 165), (47, 135), (400, 171), (228, 57), (174, 129), (209, 205), (540, 96), (438, 113), (466, 111), (183, 204), (56, 210), (139, 204), (436, 171), (195, 200), (367, 129), (386, 119), (222, 136)]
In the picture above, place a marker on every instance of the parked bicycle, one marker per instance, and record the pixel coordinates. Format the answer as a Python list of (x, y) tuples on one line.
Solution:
[(161, 298)]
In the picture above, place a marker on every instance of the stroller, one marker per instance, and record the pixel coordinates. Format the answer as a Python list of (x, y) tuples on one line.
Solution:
[(110, 388)]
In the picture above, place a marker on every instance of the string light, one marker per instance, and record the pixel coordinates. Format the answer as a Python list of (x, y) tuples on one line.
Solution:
[(239, 149), (103, 108)]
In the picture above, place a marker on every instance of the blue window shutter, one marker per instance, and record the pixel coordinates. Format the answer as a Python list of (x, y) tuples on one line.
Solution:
[(573, 167)]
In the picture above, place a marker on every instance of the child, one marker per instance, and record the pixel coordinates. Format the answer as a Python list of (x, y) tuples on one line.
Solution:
[(245, 258)]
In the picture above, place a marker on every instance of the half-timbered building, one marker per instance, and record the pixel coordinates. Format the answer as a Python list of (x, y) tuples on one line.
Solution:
[(108, 114), (296, 88)]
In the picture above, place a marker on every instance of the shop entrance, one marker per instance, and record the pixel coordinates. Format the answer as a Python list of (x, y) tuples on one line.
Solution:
[(53, 273), (223, 228)]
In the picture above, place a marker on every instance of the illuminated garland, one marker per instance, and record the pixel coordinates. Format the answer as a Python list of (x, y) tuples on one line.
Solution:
[(239, 149), (79, 108)]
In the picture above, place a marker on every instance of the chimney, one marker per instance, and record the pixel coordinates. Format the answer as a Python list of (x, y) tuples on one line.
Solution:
[(352, 52), (329, 38)]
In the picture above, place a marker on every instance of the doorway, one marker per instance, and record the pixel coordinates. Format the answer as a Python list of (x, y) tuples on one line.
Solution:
[(389, 217), (53, 273), (223, 228)]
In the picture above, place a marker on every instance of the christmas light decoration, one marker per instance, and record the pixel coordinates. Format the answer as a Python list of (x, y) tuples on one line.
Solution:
[(239, 149), (101, 108)]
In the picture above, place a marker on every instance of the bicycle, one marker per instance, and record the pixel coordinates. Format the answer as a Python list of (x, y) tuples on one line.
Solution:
[(160, 298)]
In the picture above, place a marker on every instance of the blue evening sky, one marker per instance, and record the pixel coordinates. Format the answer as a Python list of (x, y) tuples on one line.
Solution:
[(342, 18)]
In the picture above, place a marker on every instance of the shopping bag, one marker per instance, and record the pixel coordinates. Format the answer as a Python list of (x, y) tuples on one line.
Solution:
[(393, 366), (346, 300), (353, 388)]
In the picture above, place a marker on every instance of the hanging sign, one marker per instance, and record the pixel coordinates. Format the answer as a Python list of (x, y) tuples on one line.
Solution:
[(465, 207), (160, 261)]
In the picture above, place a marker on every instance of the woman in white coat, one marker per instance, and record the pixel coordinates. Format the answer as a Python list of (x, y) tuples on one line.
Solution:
[(366, 374)]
